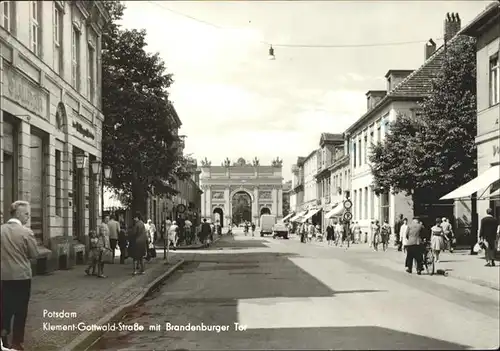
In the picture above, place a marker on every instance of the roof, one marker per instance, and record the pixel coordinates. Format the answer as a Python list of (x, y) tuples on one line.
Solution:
[(174, 115), (311, 154), (398, 71), (330, 137), (482, 21), (300, 160), (415, 86)]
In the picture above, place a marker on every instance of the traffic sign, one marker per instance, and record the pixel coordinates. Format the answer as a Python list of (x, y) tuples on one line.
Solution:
[(347, 204), (347, 216)]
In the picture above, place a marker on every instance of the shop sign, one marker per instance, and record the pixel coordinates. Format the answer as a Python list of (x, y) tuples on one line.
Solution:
[(83, 131), (25, 93)]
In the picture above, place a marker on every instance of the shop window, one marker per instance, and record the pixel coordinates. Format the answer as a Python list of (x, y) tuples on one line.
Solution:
[(59, 180)]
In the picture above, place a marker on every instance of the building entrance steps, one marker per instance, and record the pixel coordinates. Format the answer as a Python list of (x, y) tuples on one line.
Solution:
[(83, 299)]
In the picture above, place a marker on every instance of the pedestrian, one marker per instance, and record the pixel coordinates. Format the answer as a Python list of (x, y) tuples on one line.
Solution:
[(151, 231), (437, 239), (173, 235), (114, 230), (94, 253), (188, 227), (403, 234), (139, 237), (310, 232), (253, 229), (397, 230), (385, 234), (329, 234), (375, 235), (205, 231), (18, 247), (449, 237), (104, 248), (122, 244), (488, 233), (356, 231), (414, 236)]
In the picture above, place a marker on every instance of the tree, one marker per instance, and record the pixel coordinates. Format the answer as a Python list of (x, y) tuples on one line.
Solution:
[(139, 131), (430, 156)]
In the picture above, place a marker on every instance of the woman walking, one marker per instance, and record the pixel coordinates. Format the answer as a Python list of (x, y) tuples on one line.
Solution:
[(329, 234), (403, 232), (437, 239), (375, 235), (139, 238)]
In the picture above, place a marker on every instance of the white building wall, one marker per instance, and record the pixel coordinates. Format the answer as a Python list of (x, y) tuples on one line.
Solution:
[(361, 176)]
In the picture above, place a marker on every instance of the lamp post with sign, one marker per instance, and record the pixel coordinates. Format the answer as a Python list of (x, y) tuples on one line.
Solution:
[(107, 173), (347, 216)]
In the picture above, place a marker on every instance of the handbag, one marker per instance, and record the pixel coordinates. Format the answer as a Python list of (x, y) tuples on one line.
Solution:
[(106, 255), (476, 248)]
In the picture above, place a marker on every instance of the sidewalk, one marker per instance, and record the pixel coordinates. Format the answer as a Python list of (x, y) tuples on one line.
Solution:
[(459, 265), (89, 297)]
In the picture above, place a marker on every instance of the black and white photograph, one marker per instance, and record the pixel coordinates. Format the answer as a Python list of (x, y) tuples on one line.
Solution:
[(250, 175)]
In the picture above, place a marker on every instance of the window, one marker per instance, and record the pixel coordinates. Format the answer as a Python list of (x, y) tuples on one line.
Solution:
[(384, 206), (494, 80), (354, 155), (361, 214), (354, 198), (75, 59), (366, 148), (58, 51), (366, 204), (359, 151), (91, 73), (35, 27), (379, 132), (372, 204), (59, 177), (8, 15)]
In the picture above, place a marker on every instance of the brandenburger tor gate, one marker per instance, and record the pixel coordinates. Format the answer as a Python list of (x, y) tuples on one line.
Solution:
[(241, 191)]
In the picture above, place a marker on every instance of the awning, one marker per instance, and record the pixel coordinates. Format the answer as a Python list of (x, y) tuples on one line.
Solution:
[(310, 214), (296, 217), (111, 201), (482, 181), (335, 211), (495, 194), (288, 216)]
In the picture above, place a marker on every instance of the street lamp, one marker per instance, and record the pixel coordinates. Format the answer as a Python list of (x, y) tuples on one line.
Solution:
[(96, 168), (108, 172), (271, 53), (81, 161)]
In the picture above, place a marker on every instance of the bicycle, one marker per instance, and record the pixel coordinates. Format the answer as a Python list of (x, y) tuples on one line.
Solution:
[(429, 259)]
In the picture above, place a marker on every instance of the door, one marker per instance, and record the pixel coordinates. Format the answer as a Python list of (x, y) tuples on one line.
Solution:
[(37, 186), (8, 182)]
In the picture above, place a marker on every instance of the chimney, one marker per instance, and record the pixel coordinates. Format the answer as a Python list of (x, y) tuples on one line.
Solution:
[(373, 97), (430, 47), (452, 26), (395, 76)]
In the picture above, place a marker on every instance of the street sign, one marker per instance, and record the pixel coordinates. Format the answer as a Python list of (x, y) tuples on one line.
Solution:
[(347, 216), (347, 204)]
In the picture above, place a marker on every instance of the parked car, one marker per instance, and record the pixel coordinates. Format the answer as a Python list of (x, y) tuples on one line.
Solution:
[(280, 230)]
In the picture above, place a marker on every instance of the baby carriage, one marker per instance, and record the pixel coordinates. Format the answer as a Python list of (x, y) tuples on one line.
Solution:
[(428, 258)]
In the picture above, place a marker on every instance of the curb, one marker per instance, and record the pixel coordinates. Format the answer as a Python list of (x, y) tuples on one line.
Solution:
[(87, 339), (475, 281)]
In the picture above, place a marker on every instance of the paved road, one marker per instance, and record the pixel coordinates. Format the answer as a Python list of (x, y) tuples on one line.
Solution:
[(290, 295)]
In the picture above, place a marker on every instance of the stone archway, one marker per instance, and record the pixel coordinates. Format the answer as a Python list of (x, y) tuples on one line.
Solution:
[(241, 202), (264, 211), (218, 214)]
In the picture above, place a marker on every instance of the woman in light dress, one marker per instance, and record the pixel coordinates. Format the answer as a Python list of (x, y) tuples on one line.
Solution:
[(403, 232), (437, 239)]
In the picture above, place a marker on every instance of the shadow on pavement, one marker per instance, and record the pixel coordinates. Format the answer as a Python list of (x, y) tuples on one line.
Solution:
[(230, 242)]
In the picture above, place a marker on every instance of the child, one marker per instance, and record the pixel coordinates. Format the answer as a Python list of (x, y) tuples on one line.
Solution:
[(94, 253)]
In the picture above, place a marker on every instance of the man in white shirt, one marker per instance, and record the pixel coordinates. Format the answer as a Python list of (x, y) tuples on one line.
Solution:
[(18, 246), (113, 230)]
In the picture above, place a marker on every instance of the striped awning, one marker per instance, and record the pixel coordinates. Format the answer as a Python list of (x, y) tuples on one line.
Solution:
[(297, 217), (288, 216)]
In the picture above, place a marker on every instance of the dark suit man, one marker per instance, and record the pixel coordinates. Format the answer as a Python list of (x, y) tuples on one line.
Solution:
[(413, 248), (488, 232), (18, 246)]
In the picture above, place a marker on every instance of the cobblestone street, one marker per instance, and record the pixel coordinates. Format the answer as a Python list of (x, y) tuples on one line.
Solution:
[(289, 295)]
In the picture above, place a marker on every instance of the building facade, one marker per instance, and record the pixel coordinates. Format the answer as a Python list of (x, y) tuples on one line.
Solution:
[(310, 185), (486, 28), (297, 193), (329, 146), (340, 180), (287, 190), (51, 121), (220, 184)]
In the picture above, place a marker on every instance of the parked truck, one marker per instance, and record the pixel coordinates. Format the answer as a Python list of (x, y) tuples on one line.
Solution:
[(267, 223)]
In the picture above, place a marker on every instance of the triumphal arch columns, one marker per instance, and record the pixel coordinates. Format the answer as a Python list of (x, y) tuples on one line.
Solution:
[(221, 184)]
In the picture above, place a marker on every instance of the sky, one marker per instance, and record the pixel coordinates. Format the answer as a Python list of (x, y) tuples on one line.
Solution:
[(235, 102)]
